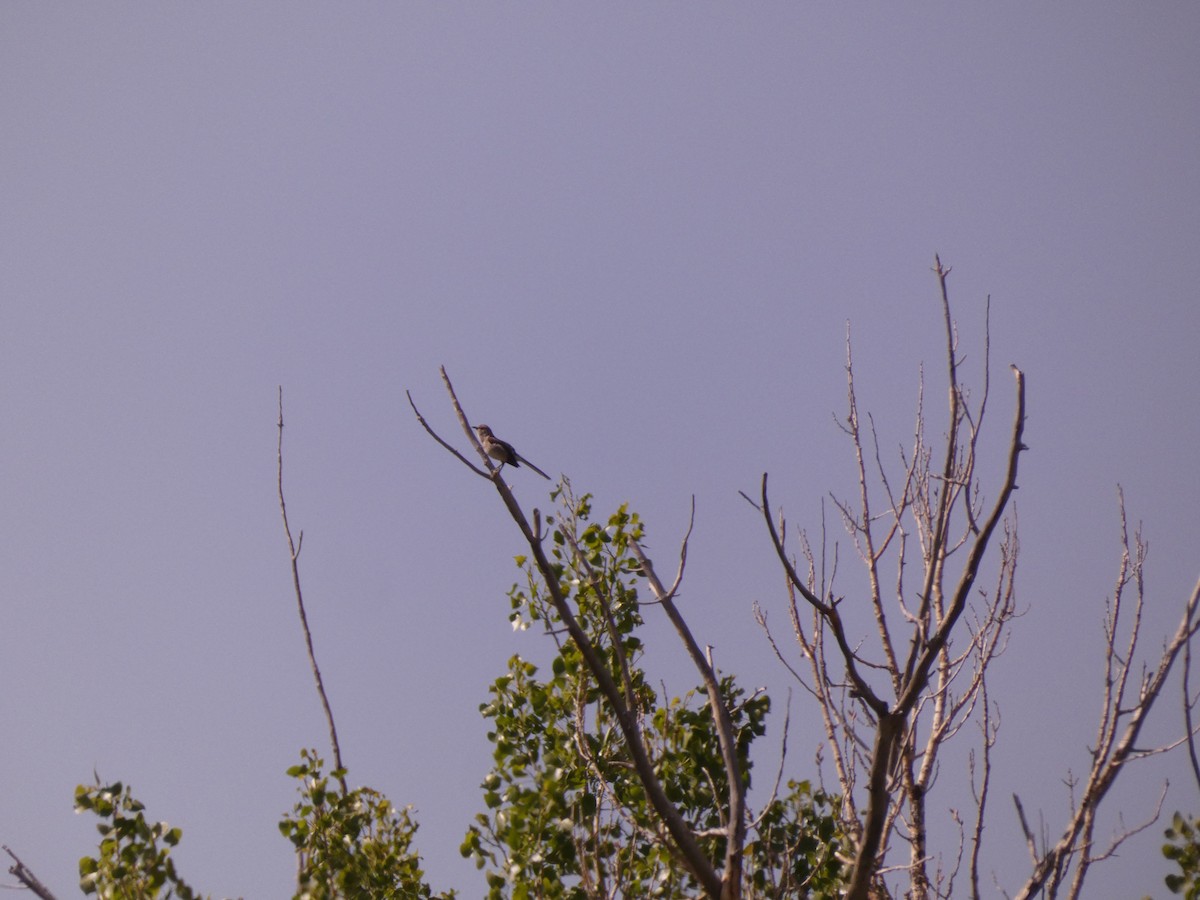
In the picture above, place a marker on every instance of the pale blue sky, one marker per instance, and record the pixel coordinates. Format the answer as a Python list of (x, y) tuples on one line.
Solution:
[(634, 234)]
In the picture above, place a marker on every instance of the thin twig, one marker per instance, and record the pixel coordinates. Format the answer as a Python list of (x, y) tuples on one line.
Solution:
[(294, 552), (437, 437), (1187, 711)]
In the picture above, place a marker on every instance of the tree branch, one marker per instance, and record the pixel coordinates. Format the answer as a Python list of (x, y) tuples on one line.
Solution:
[(726, 737), (21, 872), (681, 835), (1115, 747), (294, 552)]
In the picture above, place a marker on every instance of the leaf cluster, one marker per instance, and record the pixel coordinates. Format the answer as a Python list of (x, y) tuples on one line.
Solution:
[(566, 817), (1183, 848), (350, 843), (134, 860)]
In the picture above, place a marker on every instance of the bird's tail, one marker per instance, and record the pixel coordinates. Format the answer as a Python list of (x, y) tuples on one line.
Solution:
[(532, 466)]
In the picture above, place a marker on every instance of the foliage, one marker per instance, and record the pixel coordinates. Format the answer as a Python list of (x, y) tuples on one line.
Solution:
[(1184, 850), (131, 864), (566, 817), (350, 843)]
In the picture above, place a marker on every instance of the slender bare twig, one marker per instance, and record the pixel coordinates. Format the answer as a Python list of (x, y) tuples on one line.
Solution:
[(988, 740), (1187, 712), (450, 447), (294, 552), (770, 801)]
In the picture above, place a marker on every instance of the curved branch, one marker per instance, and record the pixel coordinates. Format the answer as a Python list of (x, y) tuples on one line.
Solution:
[(827, 611), (437, 437)]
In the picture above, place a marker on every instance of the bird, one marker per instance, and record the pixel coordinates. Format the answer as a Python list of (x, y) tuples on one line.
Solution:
[(503, 452)]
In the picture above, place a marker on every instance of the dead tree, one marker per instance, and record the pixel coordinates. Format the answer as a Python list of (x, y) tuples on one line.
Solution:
[(922, 537), (891, 702)]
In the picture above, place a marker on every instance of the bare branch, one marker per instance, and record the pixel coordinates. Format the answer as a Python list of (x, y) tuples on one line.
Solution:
[(294, 551), (683, 549), (21, 872), (1187, 711), (787, 718), (437, 437), (828, 613), (1116, 745), (1030, 840)]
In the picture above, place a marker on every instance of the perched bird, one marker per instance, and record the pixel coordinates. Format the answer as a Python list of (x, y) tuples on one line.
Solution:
[(503, 452)]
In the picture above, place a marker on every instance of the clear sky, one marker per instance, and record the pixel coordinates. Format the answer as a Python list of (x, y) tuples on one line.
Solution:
[(634, 234)]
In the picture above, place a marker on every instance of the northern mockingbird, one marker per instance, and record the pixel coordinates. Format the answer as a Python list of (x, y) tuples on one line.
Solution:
[(503, 452)]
